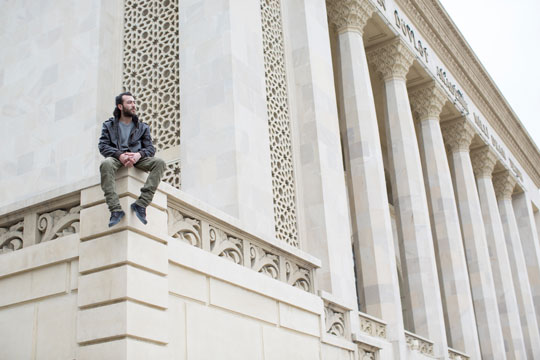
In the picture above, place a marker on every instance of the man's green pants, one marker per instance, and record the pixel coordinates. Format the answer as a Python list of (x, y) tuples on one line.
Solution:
[(108, 170)]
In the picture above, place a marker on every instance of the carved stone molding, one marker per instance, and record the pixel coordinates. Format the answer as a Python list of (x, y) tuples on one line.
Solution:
[(427, 102), (504, 184), (195, 230), (349, 15), (457, 134), (483, 161), (11, 238), (391, 60), (365, 354)]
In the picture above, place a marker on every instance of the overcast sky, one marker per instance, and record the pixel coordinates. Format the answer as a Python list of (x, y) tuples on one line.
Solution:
[(505, 36)]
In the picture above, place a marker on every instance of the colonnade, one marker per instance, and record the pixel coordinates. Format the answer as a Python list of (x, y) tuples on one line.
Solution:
[(464, 263)]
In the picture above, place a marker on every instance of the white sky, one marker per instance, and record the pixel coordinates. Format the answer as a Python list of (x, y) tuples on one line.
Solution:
[(505, 36)]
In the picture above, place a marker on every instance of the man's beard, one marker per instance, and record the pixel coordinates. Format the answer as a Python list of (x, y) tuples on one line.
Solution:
[(127, 113)]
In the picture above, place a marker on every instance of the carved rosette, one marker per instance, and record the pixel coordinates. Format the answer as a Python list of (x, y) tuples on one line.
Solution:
[(335, 321), (483, 161), (457, 134), (504, 184), (59, 223), (349, 15), (391, 60), (184, 228), (11, 238), (427, 102)]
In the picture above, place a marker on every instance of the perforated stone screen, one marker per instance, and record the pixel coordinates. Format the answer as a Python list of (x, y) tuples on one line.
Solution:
[(151, 71), (279, 123)]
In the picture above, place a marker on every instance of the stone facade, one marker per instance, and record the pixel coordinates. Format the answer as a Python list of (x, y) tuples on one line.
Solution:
[(344, 181)]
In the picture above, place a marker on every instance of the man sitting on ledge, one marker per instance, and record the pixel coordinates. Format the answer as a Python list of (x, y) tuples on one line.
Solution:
[(126, 141)]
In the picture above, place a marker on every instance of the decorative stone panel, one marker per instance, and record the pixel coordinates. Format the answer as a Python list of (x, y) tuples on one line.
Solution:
[(277, 101), (172, 174), (11, 237), (223, 242), (151, 69), (372, 326)]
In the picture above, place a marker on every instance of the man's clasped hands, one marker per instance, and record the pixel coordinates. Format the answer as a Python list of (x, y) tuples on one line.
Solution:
[(128, 159)]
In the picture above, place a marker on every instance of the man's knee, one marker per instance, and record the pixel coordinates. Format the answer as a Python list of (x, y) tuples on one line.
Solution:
[(160, 164), (107, 165)]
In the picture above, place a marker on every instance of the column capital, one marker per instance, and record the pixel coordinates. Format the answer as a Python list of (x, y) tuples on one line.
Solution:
[(391, 60), (349, 15), (483, 161), (504, 184), (457, 134), (427, 101)]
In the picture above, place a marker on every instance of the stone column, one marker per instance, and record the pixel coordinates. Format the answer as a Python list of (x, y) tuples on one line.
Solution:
[(372, 228), (225, 144), (427, 103), (504, 184), (458, 135), (323, 198), (392, 60), (483, 162), (123, 289), (531, 245)]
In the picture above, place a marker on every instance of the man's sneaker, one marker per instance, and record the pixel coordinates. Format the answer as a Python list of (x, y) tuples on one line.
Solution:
[(116, 216), (140, 212)]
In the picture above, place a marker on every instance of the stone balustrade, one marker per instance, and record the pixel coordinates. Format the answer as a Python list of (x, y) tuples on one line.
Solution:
[(372, 326), (40, 223), (418, 343), (457, 355)]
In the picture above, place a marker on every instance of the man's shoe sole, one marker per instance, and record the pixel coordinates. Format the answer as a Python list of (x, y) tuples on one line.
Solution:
[(143, 220)]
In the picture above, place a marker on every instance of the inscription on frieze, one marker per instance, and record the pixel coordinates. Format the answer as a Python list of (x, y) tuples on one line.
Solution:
[(408, 32), (451, 87)]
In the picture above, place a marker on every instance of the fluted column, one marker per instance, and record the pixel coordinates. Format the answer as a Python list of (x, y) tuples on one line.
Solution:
[(504, 185), (392, 62), (483, 162), (531, 246), (427, 103), (372, 227), (458, 135)]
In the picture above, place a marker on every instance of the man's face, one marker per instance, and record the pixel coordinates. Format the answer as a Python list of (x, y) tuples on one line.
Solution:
[(128, 107)]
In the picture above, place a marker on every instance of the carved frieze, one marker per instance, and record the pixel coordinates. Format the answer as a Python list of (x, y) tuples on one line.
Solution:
[(349, 15), (457, 134), (391, 60), (372, 327), (416, 343), (427, 102), (483, 161), (184, 228)]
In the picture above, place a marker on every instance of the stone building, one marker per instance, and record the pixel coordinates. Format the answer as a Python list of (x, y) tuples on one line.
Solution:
[(345, 181)]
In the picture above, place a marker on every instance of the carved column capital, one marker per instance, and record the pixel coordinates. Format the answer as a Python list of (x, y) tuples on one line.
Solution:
[(483, 161), (349, 15), (391, 60), (504, 184), (427, 102), (457, 134)]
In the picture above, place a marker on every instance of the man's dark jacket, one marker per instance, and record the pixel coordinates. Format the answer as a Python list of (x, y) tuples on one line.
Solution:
[(139, 139)]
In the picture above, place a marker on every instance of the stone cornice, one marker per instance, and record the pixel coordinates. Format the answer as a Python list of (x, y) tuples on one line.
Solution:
[(427, 102), (349, 15), (392, 59), (504, 184), (444, 37), (483, 161), (457, 134)]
